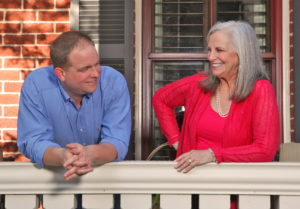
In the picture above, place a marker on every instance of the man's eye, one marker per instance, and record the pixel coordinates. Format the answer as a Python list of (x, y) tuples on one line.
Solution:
[(83, 69)]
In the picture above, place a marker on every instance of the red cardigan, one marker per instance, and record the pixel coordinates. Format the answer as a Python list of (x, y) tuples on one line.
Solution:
[(251, 132)]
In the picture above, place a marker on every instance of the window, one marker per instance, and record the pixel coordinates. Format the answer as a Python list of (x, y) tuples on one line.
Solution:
[(110, 24), (174, 37)]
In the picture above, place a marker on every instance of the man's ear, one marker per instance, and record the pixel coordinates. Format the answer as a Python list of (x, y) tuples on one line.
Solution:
[(60, 73)]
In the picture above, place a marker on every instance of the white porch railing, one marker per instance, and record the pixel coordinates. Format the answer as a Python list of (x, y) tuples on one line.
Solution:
[(255, 183)]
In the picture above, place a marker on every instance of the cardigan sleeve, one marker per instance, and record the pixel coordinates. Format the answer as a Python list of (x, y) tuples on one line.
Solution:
[(166, 99), (264, 128)]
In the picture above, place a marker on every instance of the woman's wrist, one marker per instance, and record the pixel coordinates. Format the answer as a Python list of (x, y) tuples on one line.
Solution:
[(213, 156)]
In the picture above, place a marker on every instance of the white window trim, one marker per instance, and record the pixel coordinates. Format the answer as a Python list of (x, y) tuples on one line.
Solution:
[(286, 71)]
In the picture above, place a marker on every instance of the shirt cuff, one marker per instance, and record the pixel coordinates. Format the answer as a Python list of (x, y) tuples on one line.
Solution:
[(40, 150), (120, 146)]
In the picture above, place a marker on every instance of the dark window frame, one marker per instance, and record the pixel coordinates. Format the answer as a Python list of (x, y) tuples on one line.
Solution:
[(148, 57)]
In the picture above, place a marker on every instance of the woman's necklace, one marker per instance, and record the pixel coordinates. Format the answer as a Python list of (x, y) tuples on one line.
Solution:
[(218, 102)]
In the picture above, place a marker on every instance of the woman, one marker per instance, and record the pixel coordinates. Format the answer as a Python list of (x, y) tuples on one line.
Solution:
[(231, 114)]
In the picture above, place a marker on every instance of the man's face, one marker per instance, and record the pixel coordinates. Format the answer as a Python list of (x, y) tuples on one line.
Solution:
[(82, 75)]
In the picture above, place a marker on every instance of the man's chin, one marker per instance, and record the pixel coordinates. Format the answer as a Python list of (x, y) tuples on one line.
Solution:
[(91, 90)]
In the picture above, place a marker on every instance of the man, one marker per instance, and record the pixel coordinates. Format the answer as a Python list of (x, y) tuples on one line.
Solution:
[(69, 114)]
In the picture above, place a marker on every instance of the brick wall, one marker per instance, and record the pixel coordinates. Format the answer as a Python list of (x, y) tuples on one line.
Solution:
[(26, 29), (292, 71)]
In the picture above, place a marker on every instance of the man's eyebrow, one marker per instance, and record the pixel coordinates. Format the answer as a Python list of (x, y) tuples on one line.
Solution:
[(88, 66)]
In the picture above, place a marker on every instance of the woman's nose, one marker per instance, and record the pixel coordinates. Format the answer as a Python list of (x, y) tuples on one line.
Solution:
[(211, 55)]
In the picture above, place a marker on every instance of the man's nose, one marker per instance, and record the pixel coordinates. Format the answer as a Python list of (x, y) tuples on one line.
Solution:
[(95, 71)]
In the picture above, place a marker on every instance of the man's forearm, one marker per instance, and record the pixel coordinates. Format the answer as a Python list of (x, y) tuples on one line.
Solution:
[(54, 156), (101, 153)]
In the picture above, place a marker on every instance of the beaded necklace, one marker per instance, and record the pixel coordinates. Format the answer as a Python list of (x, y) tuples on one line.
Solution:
[(218, 102)]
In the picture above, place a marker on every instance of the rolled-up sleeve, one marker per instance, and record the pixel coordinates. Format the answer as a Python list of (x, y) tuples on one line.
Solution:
[(116, 124), (34, 131)]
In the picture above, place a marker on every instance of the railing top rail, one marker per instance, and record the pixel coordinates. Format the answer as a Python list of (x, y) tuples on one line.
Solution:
[(274, 178)]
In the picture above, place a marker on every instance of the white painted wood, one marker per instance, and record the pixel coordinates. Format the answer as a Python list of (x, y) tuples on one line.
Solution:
[(289, 202), (136, 201), (61, 201), (175, 201), (254, 201), (155, 177), (214, 201), (21, 201), (97, 201)]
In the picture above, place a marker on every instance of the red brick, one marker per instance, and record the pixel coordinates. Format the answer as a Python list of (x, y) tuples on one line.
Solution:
[(8, 122), (19, 63), (10, 75), (9, 99), (46, 38), (19, 39), (6, 51), (291, 99), (36, 51), (62, 3), (10, 135), (44, 62), (20, 15), (38, 4), (292, 135), (291, 28), (24, 74), (1, 16), (12, 87), (10, 4), (9, 155), (292, 111), (62, 27), (37, 27), (9, 147), (54, 16), (10, 28), (11, 111), (291, 76)]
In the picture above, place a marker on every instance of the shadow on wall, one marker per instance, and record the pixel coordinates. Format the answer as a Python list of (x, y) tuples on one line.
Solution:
[(10, 151)]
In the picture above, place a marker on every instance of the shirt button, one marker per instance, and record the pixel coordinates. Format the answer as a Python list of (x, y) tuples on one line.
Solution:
[(81, 130), (84, 143)]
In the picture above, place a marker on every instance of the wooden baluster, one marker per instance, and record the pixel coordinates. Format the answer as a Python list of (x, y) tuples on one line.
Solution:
[(21, 201), (136, 201), (214, 201), (59, 201), (254, 201), (289, 202), (175, 201), (96, 201)]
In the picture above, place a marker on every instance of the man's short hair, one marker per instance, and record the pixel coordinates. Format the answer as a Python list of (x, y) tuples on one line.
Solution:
[(62, 46)]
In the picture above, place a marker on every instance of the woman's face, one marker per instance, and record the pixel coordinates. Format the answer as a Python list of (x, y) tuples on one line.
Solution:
[(223, 59)]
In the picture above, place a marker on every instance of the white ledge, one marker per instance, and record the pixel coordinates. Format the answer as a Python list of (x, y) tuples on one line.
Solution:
[(155, 177)]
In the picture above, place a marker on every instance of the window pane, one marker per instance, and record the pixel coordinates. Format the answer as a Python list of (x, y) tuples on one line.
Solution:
[(179, 25), (164, 73), (256, 12)]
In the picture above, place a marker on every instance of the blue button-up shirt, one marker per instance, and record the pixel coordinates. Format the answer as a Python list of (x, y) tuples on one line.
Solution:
[(48, 116)]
